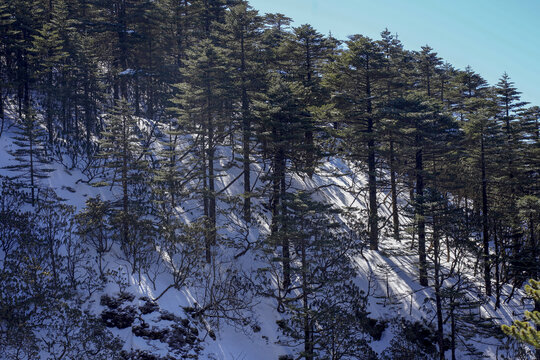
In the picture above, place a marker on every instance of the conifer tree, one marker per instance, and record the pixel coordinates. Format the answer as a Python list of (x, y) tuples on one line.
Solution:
[(243, 30), (203, 101), (32, 163), (167, 177), (428, 63), (280, 110), (355, 77), (527, 331), (48, 55), (396, 65), (93, 227), (321, 289), (88, 78), (306, 52), (482, 134), (426, 131), (509, 105), (29, 17), (127, 171), (8, 38)]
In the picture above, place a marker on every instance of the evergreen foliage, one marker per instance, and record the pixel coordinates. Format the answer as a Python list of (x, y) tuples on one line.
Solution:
[(525, 330)]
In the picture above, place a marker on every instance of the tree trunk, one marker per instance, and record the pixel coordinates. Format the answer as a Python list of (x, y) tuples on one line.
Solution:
[(372, 175), (87, 115), (436, 256), (31, 145), (285, 240), (125, 196), (122, 46), (421, 222), (246, 124), (308, 346), (48, 110), (497, 271), (2, 115), (393, 190), (485, 228), (308, 136), (205, 201), (276, 179), (211, 182), (453, 328)]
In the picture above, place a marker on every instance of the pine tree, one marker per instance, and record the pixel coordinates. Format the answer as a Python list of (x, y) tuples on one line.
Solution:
[(93, 227), (203, 101), (426, 132), (321, 290), (509, 106), (29, 18), (482, 133), (525, 330), (396, 65), (279, 109), (87, 76), (32, 163), (8, 39), (355, 77), (126, 169), (428, 63), (168, 177), (48, 55), (243, 29), (530, 128), (306, 52)]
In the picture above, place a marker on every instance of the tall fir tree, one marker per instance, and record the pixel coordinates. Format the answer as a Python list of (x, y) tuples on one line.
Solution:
[(243, 31), (126, 170), (355, 77), (32, 163), (203, 100)]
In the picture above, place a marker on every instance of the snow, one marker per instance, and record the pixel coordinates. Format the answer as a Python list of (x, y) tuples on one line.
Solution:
[(127, 72)]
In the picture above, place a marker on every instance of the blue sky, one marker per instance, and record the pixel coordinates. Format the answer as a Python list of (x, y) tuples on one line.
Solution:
[(492, 36)]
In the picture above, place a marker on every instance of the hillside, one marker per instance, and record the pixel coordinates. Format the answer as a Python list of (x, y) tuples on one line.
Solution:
[(196, 180)]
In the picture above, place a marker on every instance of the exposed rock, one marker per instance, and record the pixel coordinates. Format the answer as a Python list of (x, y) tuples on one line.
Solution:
[(148, 307), (181, 336), (120, 318)]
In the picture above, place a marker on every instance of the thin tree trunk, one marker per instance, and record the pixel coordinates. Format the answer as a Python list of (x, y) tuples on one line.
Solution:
[(453, 329), (276, 178), (308, 346), (205, 202), (246, 135), (211, 183), (537, 308), (485, 228), (285, 240), (31, 144), (2, 115), (125, 196), (310, 156), (436, 250), (497, 271), (372, 175), (420, 215), (395, 213), (87, 115), (48, 111)]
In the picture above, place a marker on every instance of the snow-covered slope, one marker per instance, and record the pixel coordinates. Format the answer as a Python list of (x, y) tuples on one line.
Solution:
[(389, 275)]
